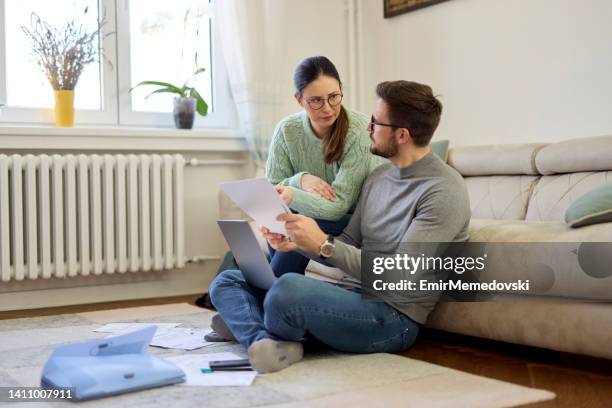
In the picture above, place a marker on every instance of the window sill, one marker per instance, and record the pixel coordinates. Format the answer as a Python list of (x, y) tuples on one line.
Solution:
[(119, 138)]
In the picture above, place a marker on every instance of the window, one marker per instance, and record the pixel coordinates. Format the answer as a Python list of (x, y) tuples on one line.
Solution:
[(26, 86), (150, 40)]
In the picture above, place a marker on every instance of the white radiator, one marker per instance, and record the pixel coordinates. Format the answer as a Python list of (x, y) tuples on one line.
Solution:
[(69, 215)]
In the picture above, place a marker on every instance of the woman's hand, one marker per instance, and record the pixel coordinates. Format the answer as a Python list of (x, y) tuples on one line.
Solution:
[(318, 186), (278, 241), (286, 193)]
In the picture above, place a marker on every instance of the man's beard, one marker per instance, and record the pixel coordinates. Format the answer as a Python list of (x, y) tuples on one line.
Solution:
[(390, 149)]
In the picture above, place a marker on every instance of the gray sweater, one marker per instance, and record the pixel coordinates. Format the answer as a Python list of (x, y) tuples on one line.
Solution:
[(424, 202)]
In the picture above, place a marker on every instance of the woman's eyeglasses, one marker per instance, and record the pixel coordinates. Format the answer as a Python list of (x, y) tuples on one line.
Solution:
[(317, 103), (375, 123)]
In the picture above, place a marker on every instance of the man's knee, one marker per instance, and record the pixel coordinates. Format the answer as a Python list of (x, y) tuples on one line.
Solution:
[(223, 280), (286, 292)]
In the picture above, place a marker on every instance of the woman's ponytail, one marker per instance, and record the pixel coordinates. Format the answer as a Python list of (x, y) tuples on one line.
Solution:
[(333, 145)]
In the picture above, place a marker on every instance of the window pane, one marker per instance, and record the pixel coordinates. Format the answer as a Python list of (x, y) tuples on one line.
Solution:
[(168, 41), (27, 86)]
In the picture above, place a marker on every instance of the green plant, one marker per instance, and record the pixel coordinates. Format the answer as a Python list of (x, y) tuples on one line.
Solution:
[(184, 91)]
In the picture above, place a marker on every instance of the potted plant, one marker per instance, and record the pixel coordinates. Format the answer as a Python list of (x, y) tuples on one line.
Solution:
[(62, 54), (186, 103)]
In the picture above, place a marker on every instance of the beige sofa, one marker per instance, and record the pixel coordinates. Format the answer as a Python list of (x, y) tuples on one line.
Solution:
[(519, 194)]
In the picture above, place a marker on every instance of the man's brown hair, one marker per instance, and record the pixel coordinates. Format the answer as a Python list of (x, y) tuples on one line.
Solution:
[(413, 106)]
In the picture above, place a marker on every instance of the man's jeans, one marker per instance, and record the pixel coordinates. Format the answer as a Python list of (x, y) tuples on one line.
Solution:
[(296, 305), (286, 262)]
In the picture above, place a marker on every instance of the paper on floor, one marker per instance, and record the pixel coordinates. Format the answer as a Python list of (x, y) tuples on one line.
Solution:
[(167, 334), (181, 338), (120, 328), (192, 364)]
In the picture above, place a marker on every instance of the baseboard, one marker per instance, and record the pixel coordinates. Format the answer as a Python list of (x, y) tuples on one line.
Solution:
[(140, 285)]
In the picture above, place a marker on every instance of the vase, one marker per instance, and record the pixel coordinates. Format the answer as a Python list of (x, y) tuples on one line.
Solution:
[(64, 108), (184, 112)]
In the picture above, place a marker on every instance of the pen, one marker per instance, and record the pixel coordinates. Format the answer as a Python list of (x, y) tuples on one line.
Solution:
[(208, 370)]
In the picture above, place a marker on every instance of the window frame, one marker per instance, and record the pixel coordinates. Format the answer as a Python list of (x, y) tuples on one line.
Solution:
[(224, 112), (2, 57), (115, 78), (41, 116)]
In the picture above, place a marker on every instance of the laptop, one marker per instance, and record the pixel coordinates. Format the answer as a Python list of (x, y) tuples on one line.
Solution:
[(248, 254)]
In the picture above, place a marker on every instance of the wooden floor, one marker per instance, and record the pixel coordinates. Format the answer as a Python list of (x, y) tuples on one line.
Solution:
[(578, 381), (51, 311)]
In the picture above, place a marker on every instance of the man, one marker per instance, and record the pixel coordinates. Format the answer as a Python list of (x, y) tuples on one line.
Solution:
[(416, 198)]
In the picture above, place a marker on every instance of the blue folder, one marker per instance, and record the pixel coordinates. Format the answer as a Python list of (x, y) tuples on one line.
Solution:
[(111, 366)]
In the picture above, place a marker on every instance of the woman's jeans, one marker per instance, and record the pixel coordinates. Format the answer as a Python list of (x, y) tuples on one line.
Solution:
[(285, 262), (296, 305)]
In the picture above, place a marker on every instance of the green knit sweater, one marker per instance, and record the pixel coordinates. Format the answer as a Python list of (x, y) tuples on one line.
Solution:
[(296, 150)]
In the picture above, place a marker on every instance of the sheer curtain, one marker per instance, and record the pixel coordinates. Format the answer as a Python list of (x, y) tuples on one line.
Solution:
[(251, 33)]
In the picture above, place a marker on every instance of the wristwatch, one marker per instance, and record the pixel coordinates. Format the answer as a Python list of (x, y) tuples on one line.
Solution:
[(327, 247)]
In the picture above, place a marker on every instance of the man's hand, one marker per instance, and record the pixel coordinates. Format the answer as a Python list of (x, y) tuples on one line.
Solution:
[(286, 194), (278, 241), (317, 185), (303, 232)]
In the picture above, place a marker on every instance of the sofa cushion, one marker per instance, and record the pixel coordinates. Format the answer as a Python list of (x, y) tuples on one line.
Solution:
[(440, 149), (495, 159), (591, 208), (557, 260), (486, 230), (500, 197), (552, 195), (576, 155)]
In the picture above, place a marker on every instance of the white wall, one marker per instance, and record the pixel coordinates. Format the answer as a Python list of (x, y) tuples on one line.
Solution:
[(508, 71), (314, 27)]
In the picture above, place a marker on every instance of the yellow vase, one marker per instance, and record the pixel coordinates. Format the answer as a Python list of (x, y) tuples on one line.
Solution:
[(64, 108)]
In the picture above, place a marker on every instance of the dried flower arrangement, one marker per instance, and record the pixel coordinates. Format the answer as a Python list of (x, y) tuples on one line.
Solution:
[(62, 54)]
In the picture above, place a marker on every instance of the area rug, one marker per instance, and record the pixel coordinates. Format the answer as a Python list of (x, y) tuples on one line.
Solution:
[(323, 379)]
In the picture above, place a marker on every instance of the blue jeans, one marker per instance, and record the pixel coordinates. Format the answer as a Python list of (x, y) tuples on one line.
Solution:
[(296, 305), (285, 262)]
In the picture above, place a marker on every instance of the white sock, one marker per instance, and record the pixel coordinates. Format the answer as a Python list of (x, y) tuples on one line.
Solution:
[(218, 325), (268, 356)]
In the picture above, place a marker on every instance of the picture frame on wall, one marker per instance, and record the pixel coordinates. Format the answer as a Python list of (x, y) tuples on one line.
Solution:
[(394, 8)]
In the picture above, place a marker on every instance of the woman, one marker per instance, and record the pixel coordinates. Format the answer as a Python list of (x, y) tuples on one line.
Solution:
[(318, 159), (320, 156)]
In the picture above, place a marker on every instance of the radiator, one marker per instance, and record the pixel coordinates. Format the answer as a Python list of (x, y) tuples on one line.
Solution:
[(69, 215)]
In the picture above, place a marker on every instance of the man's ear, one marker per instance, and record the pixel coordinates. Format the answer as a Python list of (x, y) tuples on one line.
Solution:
[(403, 136)]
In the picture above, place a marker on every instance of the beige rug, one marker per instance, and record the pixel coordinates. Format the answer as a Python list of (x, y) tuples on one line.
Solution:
[(324, 379)]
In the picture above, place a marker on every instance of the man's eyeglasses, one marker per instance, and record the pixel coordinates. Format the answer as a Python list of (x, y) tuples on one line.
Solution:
[(375, 123), (317, 102)]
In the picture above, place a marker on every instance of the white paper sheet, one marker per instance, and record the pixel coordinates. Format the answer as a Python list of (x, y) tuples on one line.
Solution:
[(167, 335), (258, 198), (120, 328), (192, 364), (181, 338)]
